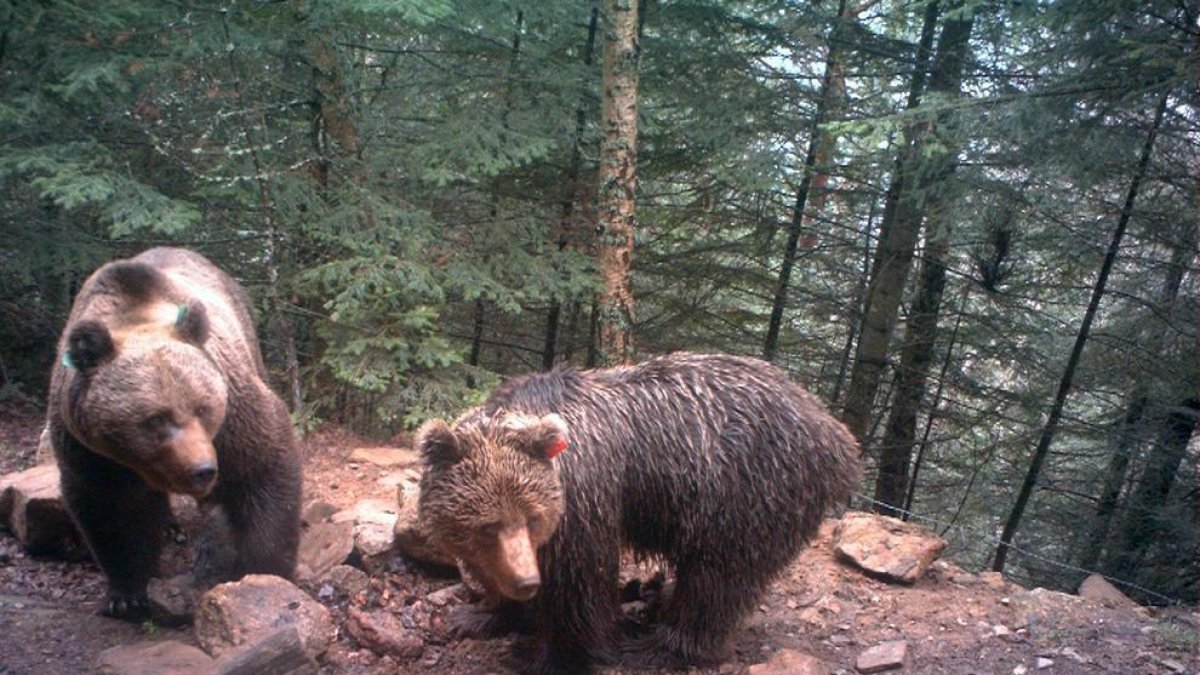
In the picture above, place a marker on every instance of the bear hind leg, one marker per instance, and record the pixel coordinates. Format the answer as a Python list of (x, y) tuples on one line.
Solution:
[(696, 623)]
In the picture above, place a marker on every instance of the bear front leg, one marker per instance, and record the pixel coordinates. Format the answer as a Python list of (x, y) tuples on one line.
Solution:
[(264, 516), (122, 520)]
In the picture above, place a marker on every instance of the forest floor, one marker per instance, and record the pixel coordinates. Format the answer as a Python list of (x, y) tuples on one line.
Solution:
[(953, 621)]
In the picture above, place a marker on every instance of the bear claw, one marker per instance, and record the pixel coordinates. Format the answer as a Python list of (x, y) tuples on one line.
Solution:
[(127, 606)]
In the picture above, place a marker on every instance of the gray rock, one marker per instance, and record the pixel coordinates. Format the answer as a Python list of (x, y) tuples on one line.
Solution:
[(169, 657), (374, 531), (236, 613), (277, 653), (322, 546), (346, 581), (173, 601), (883, 656), (318, 512)]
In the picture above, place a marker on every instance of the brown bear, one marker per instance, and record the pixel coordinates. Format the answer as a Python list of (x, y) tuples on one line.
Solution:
[(717, 465), (160, 388)]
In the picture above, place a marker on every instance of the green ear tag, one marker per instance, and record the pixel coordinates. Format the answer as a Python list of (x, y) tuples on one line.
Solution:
[(66, 360), (183, 310)]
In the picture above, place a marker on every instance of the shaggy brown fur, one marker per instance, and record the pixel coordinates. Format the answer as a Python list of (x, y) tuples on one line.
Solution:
[(161, 388), (717, 465)]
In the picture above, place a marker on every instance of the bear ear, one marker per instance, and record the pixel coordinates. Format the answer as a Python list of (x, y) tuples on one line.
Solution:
[(89, 344), (437, 444), (546, 438), (191, 323)]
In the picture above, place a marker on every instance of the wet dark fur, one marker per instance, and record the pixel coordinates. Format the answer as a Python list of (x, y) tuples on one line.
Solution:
[(716, 464), (104, 394)]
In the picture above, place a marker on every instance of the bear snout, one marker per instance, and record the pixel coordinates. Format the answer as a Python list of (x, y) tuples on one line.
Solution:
[(204, 476), (518, 561)]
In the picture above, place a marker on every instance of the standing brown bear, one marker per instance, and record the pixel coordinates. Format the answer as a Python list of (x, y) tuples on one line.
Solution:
[(717, 465), (161, 388)]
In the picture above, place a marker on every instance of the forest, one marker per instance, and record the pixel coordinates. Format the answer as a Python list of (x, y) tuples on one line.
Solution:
[(969, 226)]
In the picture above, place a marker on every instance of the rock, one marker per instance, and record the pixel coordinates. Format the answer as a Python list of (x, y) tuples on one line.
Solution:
[(883, 656), (409, 532), (1041, 606), (169, 657), (790, 662), (444, 596), (277, 653), (233, 614), (1043, 663), (346, 580), (1097, 588), (31, 505), (173, 601), (374, 531), (322, 546), (887, 547), (383, 634), (318, 512), (45, 449), (399, 457)]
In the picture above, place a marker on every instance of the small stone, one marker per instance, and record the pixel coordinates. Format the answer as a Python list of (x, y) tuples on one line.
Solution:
[(1043, 663), (883, 656), (169, 657), (173, 601), (347, 580), (382, 633), (442, 597), (1020, 670), (790, 662)]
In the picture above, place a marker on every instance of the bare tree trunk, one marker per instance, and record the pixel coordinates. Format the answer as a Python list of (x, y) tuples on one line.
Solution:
[(921, 333), (566, 225), (893, 257), (1130, 430), (616, 197), (816, 139), (1064, 386)]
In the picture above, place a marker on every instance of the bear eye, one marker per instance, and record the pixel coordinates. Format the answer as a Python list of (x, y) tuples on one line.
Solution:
[(203, 411), (492, 529), (158, 420), (535, 522)]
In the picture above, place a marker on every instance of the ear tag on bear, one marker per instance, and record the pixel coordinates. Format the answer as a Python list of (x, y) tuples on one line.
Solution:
[(66, 360), (183, 310), (556, 449)]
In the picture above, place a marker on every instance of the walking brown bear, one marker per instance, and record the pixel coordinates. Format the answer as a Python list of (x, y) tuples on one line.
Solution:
[(161, 388), (717, 465)]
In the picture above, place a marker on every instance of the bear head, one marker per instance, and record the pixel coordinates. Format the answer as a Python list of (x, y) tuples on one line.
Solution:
[(146, 395), (490, 494)]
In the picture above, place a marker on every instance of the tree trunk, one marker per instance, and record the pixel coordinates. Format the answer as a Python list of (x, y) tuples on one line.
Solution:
[(816, 139), (1143, 522), (616, 197), (1064, 386), (566, 223), (1130, 430), (920, 334), (893, 256)]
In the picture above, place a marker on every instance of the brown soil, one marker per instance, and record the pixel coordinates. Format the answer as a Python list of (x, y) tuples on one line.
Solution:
[(954, 621)]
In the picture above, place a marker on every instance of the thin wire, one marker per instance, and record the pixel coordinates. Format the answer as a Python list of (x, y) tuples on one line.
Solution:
[(1036, 556)]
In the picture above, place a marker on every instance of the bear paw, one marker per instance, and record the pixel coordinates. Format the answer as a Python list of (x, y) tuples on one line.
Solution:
[(474, 621), (127, 606)]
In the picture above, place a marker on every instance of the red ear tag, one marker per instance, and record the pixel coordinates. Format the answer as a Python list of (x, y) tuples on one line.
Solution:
[(556, 449)]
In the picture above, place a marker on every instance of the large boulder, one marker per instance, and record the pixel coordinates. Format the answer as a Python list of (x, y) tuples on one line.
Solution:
[(32, 507), (886, 548), (168, 657)]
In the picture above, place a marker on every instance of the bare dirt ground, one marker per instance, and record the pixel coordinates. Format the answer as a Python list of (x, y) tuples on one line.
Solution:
[(953, 621)]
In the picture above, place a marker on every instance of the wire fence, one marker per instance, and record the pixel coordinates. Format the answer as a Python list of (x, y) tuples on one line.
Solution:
[(994, 540)]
